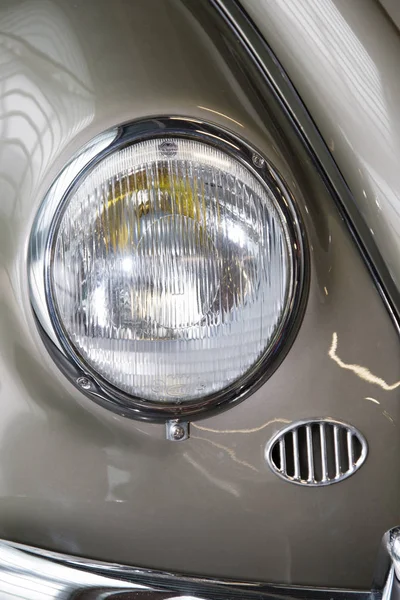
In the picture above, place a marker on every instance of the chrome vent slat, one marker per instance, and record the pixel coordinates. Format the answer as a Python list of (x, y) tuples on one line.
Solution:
[(296, 457), (324, 455), (316, 452), (282, 453), (350, 450), (310, 454), (337, 451)]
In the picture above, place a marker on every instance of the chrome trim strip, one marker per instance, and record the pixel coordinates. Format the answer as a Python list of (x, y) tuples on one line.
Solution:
[(28, 573), (322, 423), (40, 251), (291, 103)]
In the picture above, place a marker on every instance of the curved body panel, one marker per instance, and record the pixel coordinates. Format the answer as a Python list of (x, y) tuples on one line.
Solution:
[(342, 58), (76, 478)]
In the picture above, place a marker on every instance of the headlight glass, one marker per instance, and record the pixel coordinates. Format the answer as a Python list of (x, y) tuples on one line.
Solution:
[(171, 269)]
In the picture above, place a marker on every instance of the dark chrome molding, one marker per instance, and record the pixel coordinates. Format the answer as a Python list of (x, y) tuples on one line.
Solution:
[(40, 255), (292, 105), (29, 573)]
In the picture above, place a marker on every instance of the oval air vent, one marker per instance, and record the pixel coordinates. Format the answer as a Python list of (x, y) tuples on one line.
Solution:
[(316, 452)]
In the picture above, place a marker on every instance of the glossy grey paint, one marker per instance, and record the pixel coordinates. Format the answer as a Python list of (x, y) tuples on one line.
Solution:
[(392, 8), (343, 57), (76, 478), (302, 122)]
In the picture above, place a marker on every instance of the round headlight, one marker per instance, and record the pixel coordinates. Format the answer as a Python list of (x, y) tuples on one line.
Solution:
[(172, 267)]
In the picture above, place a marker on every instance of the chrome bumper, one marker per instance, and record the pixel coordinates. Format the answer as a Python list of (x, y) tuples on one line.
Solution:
[(28, 573)]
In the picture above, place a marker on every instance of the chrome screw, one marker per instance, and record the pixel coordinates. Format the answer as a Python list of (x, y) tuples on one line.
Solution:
[(84, 383), (177, 432), (258, 161)]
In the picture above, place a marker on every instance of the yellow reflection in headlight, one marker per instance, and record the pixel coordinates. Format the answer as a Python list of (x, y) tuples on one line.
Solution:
[(131, 198)]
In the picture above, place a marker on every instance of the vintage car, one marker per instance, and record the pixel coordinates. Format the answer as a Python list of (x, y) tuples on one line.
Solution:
[(200, 299)]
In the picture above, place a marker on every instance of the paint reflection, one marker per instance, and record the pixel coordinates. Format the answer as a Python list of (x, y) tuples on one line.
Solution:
[(45, 95), (338, 54), (359, 370)]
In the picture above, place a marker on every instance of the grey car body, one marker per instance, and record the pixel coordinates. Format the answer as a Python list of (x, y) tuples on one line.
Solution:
[(79, 480)]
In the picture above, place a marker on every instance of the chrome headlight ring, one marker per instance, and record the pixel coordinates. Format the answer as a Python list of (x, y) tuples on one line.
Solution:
[(41, 255)]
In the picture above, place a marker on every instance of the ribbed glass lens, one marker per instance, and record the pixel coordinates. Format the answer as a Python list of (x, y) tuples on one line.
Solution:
[(171, 270)]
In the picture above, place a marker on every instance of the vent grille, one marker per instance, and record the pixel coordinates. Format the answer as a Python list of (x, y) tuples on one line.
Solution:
[(316, 452)]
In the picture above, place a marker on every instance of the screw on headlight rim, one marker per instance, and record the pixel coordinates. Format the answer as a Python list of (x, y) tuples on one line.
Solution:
[(84, 383), (258, 161)]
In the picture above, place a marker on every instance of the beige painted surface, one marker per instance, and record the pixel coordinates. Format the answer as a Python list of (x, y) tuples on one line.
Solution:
[(77, 478), (343, 58)]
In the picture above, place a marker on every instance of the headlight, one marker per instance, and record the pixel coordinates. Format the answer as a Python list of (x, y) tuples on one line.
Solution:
[(172, 267)]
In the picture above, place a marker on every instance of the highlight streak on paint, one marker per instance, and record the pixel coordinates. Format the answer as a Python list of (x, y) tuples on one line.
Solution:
[(253, 430), (388, 417), (230, 452), (223, 485), (372, 400), (221, 115), (360, 371)]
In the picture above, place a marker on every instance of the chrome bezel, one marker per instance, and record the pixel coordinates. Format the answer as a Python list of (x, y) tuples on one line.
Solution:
[(315, 421), (40, 256)]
